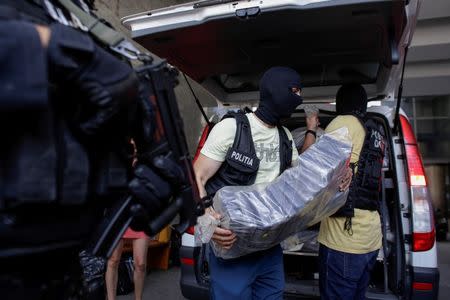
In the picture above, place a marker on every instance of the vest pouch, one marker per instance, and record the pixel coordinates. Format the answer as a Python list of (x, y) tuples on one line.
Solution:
[(241, 167), (73, 169), (364, 191), (241, 163), (371, 176), (27, 158), (368, 191), (41, 161)]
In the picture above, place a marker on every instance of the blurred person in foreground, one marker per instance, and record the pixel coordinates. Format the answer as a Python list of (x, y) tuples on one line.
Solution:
[(69, 106)]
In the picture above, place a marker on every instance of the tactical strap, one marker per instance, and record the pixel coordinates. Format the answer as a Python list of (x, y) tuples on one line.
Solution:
[(285, 149), (243, 130), (103, 33), (203, 204), (348, 225)]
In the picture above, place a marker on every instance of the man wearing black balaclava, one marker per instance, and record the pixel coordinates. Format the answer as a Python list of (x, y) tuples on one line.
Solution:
[(258, 154), (280, 90), (350, 239)]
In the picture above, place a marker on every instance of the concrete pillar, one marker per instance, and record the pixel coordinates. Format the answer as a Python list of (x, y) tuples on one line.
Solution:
[(436, 176), (436, 185), (112, 11)]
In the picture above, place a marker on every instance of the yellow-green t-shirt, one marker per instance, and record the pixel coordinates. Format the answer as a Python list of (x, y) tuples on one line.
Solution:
[(266, 141), (366, 224)]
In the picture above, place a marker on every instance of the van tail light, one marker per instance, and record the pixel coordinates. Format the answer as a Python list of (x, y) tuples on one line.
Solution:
[(187, 261), (422, 211), (422, 286), (190, 230)]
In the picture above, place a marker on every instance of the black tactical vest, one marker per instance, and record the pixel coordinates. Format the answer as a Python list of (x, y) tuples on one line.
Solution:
[(364, 191), (43, 158), (241, 163)]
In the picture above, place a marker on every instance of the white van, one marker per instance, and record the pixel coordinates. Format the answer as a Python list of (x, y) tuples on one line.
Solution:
[(226, 46)]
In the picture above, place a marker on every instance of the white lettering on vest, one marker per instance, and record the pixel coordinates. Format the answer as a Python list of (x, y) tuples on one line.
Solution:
[(377, 139), (242, 158)]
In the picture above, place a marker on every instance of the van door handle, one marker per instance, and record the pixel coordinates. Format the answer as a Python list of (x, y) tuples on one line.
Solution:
[(246, 13)]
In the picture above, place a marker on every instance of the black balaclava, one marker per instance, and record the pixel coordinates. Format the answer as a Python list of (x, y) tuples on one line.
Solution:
[(277, 100), (351, 99)]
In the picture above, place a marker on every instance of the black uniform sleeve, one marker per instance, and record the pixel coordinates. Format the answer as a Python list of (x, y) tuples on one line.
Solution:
[(106, 87), (23, 71)]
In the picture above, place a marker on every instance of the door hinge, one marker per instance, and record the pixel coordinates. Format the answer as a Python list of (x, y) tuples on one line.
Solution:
[(408, 238)]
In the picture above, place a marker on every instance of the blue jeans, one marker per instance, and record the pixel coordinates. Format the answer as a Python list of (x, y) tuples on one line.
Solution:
[(255, 276), (344, 275)]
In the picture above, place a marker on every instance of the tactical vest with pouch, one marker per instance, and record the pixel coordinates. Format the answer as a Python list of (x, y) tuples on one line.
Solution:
[(364, 191), (48, 170), (241, 163)]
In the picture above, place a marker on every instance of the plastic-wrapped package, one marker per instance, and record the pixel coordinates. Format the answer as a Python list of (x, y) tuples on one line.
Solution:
[(204, 229), (299, 240), (310, 109), (263, 215), (299, 133)]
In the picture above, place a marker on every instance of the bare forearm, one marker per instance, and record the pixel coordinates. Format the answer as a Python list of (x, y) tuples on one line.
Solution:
[(44, 34), (204, 169), (309, 140), (201, 182)]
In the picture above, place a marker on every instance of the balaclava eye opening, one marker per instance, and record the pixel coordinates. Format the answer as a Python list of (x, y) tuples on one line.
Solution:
[(277, 101), (351, 99)]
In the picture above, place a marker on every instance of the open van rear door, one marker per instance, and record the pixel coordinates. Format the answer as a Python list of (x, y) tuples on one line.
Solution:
[(227, 45)]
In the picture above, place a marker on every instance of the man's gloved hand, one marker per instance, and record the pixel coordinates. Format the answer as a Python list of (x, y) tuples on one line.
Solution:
[(153, 186), (104, 89)]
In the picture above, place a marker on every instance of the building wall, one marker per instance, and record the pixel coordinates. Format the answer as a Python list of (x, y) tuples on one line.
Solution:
[(112, 11), (427, 83), (428, 64), (427, 91)]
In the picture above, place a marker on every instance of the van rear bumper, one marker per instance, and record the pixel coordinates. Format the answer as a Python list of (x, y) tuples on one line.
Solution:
[(425, 283), (190, 288)]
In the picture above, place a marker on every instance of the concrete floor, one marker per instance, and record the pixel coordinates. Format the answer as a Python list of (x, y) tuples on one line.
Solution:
[(165, 285), (160, 285)]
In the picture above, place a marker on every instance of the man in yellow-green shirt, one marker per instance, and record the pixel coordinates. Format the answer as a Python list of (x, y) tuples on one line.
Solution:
[(349, 243), (243, 150)]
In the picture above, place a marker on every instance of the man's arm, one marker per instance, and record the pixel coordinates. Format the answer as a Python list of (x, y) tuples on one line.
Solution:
[(312, 123), (44, 34), (204, 169)]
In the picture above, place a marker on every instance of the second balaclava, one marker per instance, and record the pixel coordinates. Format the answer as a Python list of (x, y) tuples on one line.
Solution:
[(277, 100), (351, 99)]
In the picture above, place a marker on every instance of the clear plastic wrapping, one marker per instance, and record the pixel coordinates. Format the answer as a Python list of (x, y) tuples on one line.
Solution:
[(305, 240), (310, 109), (263, 215)]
